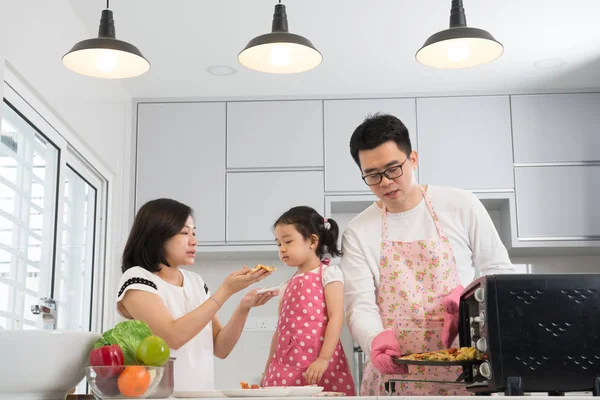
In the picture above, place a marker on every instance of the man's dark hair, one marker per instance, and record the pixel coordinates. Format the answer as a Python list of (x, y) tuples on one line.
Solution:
[(376, 130)]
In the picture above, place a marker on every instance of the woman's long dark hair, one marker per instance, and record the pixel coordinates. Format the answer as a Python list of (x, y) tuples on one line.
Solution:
[(156, 222), (309, 222)]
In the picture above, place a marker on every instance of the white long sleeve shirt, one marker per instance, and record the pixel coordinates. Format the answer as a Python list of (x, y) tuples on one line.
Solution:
[(463, 219)]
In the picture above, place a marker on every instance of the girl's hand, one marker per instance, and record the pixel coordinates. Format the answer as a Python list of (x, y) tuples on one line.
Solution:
[(239, 280), (262, 380), (253, 299), (315, 371)]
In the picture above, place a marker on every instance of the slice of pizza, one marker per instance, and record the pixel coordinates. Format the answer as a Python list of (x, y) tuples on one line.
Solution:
[(468, 353), (261, 266)]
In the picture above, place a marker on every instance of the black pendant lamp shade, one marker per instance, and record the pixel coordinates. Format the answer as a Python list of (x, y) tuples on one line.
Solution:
[(459, 46), (105, 56), (280, 52)]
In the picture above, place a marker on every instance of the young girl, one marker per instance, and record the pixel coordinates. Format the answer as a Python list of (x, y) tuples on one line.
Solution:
[(306, 347)]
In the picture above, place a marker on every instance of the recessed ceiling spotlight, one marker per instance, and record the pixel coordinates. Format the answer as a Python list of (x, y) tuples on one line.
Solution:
[(221, 70), (550, 63)]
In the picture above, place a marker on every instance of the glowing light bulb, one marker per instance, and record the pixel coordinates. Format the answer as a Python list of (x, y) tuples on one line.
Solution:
[(458, 51), (280, 56), (106, 60)]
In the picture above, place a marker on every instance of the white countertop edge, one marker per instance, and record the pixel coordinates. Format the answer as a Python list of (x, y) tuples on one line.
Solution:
[(571, 397)]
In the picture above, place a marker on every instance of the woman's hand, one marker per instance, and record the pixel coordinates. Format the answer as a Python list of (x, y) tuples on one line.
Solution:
[(239, 280), (253, 299)]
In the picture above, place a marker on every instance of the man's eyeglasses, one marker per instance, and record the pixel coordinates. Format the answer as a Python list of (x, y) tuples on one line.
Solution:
[(394, 172)]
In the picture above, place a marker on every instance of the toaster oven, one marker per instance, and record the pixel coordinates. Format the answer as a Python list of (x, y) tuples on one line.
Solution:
[(538, 333)]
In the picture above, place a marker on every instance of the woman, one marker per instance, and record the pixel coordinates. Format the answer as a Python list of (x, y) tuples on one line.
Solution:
[(176, 304)]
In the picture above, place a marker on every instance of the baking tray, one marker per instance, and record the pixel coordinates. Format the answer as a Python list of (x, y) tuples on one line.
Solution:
[(462, 363)]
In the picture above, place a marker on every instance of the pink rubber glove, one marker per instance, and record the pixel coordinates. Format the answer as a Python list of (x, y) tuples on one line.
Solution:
[(383, 347), (450, 303)]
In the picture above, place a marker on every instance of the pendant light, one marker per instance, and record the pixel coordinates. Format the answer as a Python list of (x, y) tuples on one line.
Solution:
[(105, 56), (459, 46), (280, 52)]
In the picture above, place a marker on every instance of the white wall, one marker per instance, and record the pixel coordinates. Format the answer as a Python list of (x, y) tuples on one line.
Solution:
[(34, 35)]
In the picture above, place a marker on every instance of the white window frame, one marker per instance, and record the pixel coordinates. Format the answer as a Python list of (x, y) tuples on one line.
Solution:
[(75, 152), (23, 317)]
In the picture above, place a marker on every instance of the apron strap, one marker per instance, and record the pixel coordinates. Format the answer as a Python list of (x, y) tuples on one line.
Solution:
[(434, 216), (384, 224), (323, 262)]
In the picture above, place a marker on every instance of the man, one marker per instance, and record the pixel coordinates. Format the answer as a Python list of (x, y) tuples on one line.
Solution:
[(406, 258)]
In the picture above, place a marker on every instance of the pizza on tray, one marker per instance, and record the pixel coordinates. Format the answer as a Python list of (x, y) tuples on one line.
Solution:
[(446, 355)]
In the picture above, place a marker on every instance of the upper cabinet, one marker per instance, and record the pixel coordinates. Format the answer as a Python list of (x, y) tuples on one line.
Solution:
[(275, 134), (256, 199), (181, 155), (341, 119), (466, 142), (558, 202), (556, 128), (239, 165)]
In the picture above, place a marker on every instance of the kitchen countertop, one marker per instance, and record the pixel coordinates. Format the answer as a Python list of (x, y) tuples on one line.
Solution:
[(271, 398), (528, 397), (573, 396)]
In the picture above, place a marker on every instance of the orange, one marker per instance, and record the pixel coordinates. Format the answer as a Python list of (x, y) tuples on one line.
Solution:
[(134, 381)]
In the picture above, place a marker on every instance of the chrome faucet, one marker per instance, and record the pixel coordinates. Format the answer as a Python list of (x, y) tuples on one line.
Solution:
[(48, 311)]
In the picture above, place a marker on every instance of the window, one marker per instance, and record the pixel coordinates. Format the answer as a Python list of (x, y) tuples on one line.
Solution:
[(28, 187), (74, 277), (52, 223)]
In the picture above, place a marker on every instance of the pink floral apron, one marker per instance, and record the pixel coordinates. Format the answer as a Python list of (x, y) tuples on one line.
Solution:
[(301, 329), (413, 279)]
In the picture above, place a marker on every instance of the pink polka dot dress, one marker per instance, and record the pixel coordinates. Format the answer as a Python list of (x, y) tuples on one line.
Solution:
[(301, 332)]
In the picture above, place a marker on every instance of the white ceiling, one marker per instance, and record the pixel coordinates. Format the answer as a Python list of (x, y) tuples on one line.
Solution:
[(368, 46)]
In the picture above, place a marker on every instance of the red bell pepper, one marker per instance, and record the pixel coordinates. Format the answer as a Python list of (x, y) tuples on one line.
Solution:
[(107, 356)]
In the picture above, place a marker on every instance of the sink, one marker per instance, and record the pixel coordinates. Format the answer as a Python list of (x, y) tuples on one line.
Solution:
[(44, 365)]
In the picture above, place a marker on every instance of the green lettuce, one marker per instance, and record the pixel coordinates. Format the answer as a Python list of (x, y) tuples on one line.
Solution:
[(128, 335)]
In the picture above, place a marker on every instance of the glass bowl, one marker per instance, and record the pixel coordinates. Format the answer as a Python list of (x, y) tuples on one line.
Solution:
[(125, 382)]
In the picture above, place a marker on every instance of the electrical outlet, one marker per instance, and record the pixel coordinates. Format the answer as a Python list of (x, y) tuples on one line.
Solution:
[(266, 324)]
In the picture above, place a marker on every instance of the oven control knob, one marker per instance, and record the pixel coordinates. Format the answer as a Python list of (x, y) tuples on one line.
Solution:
[(480, 319), (482, 345), (480, 295), (485, 370)]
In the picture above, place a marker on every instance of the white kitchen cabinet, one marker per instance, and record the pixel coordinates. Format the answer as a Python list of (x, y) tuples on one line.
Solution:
[(256, 199), (275, 134), (556, 128), (342, 117), (181, 155), (465, 142), (559, 202)]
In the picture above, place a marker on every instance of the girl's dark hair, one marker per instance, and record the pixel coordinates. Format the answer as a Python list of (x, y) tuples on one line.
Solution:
[(309, 222), (156, 222)]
